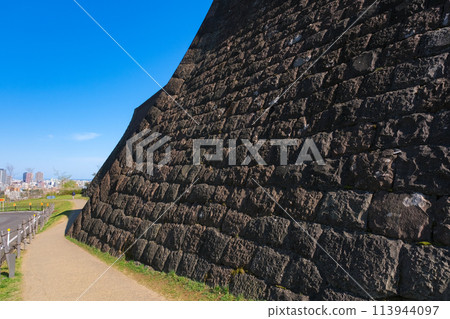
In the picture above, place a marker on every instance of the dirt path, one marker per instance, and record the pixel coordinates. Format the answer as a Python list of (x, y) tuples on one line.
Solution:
[(55, 269)]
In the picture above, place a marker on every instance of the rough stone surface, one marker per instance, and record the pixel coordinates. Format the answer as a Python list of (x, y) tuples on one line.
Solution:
[(441, 232), (368, 262), (402, 216), (347, 209), (377, 107), (248, 285), (425, 273)]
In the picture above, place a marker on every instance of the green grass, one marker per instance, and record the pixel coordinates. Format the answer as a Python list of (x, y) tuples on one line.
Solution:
[(10, 287), (62, 208), (23, 205), (169, 285)]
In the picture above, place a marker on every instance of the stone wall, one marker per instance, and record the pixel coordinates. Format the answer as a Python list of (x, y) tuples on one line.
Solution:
[(377, 105)]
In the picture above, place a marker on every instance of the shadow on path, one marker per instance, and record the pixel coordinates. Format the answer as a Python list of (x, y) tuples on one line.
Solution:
[(71, 215)]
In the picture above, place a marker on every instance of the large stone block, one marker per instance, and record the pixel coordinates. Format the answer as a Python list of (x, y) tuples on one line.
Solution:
[(269, 264), (302, 276), (402, 216), (425, 273), (201, 193), (211, 215), (193, 235), (409, 130), (248, 286), (201, 269), (213, 245), (300, 203), (175, 237), (361, 264), (439, 127), (302, 238), (173, 260), (424, 169), (267, 230), (238, 253), (435, 41), (441, 213), (187, 265), (160, 258), (234, 223), (419, 72), (347, 209), (138, 249), (259, 203), (218, 276), (370, 171), (149, 253)]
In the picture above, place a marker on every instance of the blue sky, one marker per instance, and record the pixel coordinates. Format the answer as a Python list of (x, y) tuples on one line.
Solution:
[(67, 92)]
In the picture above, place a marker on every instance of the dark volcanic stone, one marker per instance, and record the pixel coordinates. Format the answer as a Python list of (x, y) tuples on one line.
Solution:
[(267, 230), (425, 273), (173, 261), (371, 261), (441, 231), (238, 253), (269, 264), (302, 238), (248, 285), (302, 276), (345, 209), (213, 245), (187, 265), (218, 276), (234, 222), (403, 216), (201, 269), (424, 169), (284, 294), (333, 295)]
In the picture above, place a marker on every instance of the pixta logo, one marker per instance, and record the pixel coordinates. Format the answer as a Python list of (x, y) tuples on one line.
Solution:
[(146, 145), (307, 152)]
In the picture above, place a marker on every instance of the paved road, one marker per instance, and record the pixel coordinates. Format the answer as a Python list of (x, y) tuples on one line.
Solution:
[(55, 269), (12, 219)]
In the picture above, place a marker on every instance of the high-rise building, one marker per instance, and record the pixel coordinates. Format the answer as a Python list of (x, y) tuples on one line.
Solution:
[(27, 177), (39, 177), (2, 176)]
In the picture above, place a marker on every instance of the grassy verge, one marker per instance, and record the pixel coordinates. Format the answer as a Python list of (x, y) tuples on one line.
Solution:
[(170, 285), (23, 205), (62, 208), (10, 288)]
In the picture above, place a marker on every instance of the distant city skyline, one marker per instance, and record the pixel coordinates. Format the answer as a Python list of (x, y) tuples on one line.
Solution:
[(37, 177), (67, 101)]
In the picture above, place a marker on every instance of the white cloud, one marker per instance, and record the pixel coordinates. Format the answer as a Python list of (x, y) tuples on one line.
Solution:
[(85, 136)]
